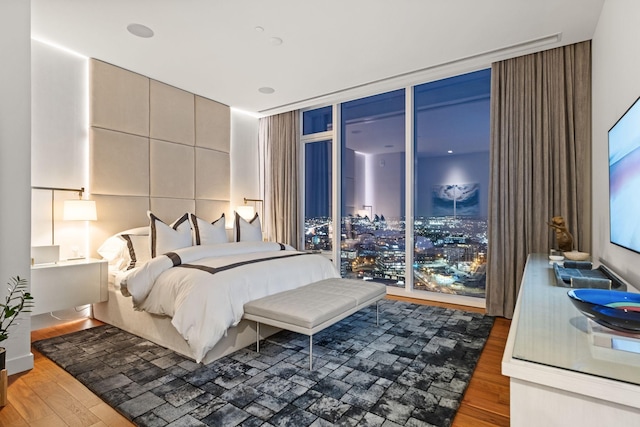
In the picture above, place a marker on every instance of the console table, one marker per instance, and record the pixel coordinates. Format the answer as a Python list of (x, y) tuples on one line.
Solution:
[(557, 376)]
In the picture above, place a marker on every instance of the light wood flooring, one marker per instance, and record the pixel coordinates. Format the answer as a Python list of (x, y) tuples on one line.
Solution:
[(48, 396)]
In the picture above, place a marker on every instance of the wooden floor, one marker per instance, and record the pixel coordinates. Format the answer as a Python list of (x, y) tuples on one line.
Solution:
[(48, 396)]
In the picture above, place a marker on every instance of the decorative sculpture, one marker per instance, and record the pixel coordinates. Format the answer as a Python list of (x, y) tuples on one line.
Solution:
[(564, 239)]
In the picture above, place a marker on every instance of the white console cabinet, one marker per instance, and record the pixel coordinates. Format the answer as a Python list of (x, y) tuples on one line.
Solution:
[(68, 284), (558, 376)]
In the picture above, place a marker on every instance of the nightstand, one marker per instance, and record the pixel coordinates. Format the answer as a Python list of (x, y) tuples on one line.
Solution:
[(68, 284)]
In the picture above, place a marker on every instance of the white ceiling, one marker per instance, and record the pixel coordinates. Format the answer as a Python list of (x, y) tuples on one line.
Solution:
[(331, 50)]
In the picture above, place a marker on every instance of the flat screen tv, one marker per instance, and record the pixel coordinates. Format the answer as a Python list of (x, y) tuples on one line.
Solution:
[(624, 179)]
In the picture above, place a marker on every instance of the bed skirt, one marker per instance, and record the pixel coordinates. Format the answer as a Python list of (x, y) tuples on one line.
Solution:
[(118, 311)]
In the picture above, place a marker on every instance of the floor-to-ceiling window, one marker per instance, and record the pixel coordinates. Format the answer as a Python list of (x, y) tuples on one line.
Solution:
[(372, 242), (451, 176), (448, 177)]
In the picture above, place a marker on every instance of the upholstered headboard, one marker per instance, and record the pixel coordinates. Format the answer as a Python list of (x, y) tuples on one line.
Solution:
[(153, 147)]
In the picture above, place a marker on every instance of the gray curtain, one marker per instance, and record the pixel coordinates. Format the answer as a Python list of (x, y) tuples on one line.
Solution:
[(540, 162), (278, 137)]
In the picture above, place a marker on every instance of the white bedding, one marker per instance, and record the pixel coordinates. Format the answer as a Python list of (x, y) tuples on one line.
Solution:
[(204, 304)]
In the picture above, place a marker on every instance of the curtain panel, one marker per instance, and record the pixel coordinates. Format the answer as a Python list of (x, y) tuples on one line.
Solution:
[(278, 137), (540, 162)]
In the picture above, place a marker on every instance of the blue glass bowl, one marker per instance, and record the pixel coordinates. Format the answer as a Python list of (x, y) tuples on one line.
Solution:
[(617, 310)]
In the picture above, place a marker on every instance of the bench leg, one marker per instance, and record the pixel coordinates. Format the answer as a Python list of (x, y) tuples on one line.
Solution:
[(310, 352), (257, 337)]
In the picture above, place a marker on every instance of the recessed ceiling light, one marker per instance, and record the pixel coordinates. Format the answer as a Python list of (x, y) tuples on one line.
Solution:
[(259, 29), (450, 151), (266, 90), (140, 30), (275, 41)]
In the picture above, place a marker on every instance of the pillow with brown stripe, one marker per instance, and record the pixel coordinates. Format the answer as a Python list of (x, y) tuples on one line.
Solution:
[(247, 231), (138, 249), (116, 250), (165, 238), (205, 233)]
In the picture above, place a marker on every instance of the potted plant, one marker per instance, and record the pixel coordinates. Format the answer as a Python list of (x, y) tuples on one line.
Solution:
[(18, 300)]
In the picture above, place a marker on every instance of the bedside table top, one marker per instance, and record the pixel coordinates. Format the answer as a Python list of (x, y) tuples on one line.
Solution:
[(66, 262)]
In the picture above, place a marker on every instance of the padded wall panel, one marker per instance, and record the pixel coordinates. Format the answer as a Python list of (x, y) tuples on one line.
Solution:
[(130, 175), (119, 99), (213, 125), (172, 114), (210, 210), (168, 210), (172, 170), (115, 214), (213, 175), (118, 163)]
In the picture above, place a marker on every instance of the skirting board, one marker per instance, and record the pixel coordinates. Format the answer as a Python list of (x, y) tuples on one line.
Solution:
[(118, 311)]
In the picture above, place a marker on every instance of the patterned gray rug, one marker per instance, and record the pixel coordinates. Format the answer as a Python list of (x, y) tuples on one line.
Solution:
[(411, 370)]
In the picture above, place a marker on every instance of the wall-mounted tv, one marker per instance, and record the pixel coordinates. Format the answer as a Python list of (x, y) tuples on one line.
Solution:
[(624, 179)]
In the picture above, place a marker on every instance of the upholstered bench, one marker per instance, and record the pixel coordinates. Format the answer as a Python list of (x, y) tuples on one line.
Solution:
[(314, 307)]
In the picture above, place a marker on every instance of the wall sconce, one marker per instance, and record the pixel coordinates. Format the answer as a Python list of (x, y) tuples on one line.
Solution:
[(247, 211), (74, 210)]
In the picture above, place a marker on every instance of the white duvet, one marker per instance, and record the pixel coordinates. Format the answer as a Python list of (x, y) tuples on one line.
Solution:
[(206, 290)]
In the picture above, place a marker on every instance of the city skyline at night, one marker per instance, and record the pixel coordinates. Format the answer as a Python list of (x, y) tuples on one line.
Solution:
[(449, 253)]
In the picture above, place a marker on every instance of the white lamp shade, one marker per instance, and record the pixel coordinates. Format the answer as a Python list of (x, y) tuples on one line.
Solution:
[(247, 212), (80, 210)]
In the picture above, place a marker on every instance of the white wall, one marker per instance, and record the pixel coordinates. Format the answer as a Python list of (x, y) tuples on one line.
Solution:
[(15, 165), (616, 84), (245, 173), (59, 142)]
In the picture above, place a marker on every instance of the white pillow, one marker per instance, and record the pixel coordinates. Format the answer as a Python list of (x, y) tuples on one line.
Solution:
[(208, 234), (112, 248), (115, 249), (247, 231), (138, 249), (165, 238)]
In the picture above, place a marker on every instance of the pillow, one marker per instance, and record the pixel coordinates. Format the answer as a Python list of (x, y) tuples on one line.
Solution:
[(166, 238), (112, 248), (138, 249), (115, 249), (247, 231), (208, 234)]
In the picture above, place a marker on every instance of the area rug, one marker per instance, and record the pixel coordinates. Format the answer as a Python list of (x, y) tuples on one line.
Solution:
[(410, 370)]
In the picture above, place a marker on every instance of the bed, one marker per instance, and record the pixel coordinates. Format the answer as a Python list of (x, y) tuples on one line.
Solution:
[(190, 297)]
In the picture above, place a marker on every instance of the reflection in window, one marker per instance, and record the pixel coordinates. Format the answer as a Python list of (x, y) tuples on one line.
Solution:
[(452, 182)]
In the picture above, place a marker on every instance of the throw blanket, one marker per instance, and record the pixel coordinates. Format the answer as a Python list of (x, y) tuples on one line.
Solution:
[(204, 288)]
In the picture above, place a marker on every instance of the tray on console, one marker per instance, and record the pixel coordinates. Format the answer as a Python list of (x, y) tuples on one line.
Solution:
[(577, 274)]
